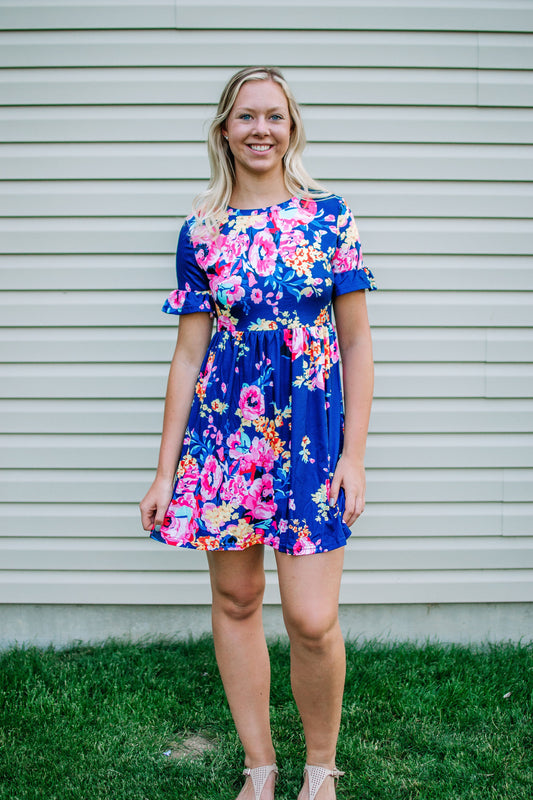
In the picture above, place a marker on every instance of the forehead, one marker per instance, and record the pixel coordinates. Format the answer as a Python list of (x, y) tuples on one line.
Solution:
[(261, 93)]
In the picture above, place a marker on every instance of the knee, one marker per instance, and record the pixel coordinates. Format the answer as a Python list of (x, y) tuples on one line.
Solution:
[(313, 629), (239, 602)]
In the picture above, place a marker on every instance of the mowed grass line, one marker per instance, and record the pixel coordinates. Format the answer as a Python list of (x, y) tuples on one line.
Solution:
[(431, 723)]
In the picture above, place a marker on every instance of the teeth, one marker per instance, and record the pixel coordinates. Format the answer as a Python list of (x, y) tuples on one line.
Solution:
[(260, 147)]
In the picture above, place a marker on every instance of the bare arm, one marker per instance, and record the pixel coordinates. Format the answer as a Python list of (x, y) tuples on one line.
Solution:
[(194, 335), (355, 345)]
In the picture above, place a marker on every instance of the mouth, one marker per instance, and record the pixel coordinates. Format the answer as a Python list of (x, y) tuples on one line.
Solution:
[(260, 148)]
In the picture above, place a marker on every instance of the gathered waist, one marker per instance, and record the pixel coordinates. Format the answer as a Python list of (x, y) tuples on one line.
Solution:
[(289, 331)]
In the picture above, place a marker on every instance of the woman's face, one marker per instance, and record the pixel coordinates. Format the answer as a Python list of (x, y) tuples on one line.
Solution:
[(258, 128)]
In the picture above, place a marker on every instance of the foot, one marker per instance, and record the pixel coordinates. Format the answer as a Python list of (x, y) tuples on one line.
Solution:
[(326, 791), (248, 792)]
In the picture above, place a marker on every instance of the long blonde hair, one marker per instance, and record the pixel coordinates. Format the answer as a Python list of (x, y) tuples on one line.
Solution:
[(210, 205)]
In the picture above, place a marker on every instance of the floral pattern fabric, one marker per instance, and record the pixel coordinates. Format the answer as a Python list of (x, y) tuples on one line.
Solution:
[(266, 424)]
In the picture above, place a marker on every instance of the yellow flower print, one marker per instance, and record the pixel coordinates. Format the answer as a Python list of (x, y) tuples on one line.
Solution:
[(268, 429), (351, 235), (187, 463), (217, 516), (217, 405), (304, 452), (242, 531), (320, 497)]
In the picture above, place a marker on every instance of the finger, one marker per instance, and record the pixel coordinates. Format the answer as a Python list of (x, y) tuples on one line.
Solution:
[(334, 490), (358, 509), (160, 515), (147, 518)]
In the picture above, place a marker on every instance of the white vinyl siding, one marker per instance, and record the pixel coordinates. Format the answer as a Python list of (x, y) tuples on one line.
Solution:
[(420, 114)]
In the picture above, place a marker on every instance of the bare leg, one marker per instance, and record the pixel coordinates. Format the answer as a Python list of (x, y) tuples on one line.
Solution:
[(238, 583), (309, 587)]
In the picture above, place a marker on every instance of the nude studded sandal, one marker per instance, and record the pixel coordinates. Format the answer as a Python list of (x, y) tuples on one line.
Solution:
[(259, 776), (317, 776)]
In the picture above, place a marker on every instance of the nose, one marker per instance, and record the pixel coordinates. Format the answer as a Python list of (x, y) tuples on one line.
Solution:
[(260, 127)]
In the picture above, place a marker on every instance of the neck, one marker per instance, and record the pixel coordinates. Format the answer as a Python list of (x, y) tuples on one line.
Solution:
[(258, 191)]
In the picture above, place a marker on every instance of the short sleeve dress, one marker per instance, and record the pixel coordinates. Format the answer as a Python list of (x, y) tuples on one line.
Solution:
[(266, 424)]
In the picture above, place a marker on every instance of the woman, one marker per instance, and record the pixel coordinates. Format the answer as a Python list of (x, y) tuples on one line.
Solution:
[(254, 449)]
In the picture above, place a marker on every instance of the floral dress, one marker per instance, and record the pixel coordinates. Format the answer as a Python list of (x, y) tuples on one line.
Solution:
[(266, 424)]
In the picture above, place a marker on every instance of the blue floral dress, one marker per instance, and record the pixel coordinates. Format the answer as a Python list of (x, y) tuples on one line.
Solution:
[(266, 424)]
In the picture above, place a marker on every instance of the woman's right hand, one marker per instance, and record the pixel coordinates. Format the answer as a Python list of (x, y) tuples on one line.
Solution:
[(155, 503)]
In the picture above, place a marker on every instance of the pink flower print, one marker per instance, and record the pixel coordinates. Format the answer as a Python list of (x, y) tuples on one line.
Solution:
[(296, 340), (180, 520), (300, 213), (207, 250), (260, 499), (210, 478), (289, 242), (257, 295), (238, 444), (260, 454), (263, 253), (189, 479), (233, 247), (227, 288), (251, 402), (234, 490), (283, 525), (251, 279), (176, 299), (304, 546), (258, 221)]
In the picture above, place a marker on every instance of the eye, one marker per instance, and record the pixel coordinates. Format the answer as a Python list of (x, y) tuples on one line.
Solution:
[(276, 117), (245, 116)]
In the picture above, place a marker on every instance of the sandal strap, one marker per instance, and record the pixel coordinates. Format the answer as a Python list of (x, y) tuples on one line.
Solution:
[(259, 776), (317, 776)]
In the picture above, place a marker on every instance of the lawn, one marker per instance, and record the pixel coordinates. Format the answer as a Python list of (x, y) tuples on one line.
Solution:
[(149, 722)]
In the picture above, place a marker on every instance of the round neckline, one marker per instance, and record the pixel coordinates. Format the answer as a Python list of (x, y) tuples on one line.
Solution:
[(259, 210)]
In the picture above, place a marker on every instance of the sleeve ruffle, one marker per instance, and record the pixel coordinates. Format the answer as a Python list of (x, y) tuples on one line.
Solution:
[(188, 301), (353, 280), (193, 293)]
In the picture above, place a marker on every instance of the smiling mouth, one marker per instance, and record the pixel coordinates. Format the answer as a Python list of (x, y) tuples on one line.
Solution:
[(260, 148)]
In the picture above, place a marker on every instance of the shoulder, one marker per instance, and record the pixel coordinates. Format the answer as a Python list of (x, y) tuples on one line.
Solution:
[(332, 204)]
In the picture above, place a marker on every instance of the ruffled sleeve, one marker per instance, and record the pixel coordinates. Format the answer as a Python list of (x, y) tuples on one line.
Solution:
[(349, 272), (193, 293)]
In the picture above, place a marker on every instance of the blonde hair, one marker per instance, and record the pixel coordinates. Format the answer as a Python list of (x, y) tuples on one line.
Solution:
[(210, 205)]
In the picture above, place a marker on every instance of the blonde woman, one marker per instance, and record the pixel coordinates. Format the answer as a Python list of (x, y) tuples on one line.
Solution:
[(256, 449)]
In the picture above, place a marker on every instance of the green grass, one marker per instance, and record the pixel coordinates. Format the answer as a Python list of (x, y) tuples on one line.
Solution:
[(93, 722)]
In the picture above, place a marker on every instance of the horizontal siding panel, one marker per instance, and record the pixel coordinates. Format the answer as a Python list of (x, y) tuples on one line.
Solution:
[(149, 380), (384, 451), (203, 48), (503, 51), (379, 519), (455, 344), (43, 14), (393, 309), (389, 415), (324, 123), (384, 485), (494, 90), (173, 198), (374, 555), (451, 15), (396, 271), (402, 15), (183, 588), (366, 161), (475, 415), (518, 519), (170, 85), (155, 345)]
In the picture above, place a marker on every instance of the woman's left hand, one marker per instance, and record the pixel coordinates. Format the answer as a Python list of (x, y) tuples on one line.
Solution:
[(350, 476)]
